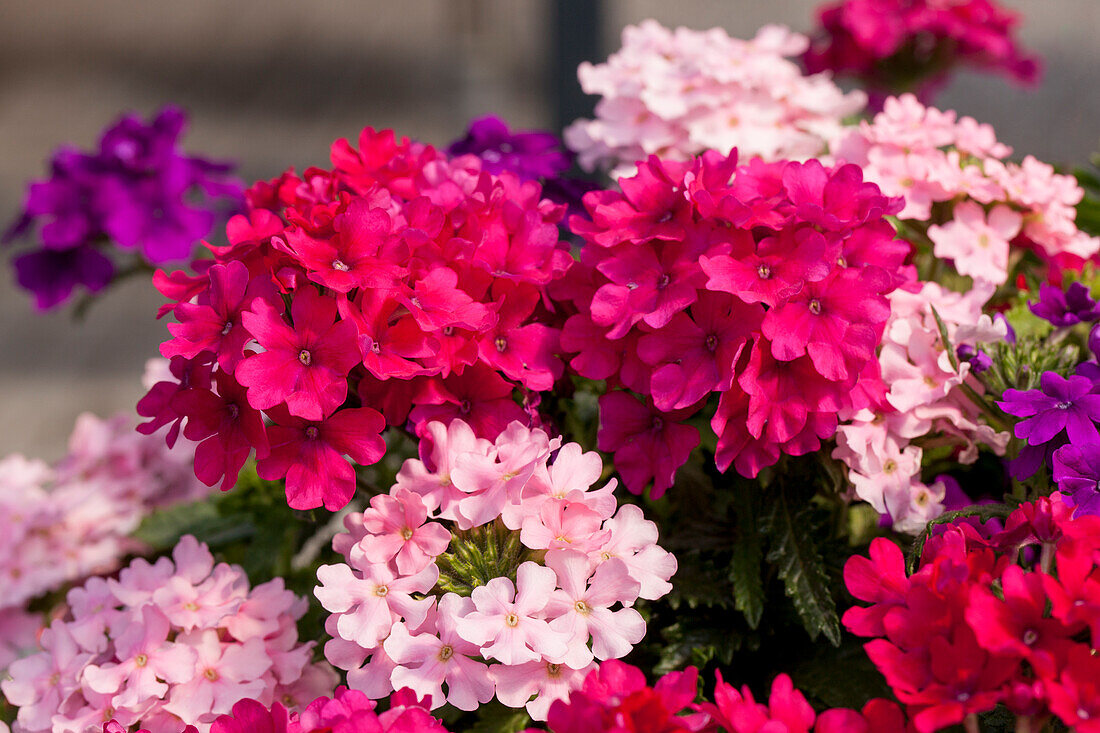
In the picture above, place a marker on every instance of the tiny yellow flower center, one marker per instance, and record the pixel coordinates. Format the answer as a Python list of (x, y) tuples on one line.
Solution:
[(211, 674), (141, 660), (445, 653), (512, 620), (305, 357)]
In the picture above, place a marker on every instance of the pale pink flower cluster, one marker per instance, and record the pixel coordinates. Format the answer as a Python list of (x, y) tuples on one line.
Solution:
[(923, 399), (166, 644), (956, 181), (678, 93), (63, 522), (527, 641)]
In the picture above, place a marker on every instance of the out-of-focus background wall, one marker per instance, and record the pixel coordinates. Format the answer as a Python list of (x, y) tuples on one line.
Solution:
[(271, 83)]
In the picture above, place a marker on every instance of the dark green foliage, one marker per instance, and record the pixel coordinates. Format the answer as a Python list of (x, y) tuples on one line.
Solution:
[(799, 563)]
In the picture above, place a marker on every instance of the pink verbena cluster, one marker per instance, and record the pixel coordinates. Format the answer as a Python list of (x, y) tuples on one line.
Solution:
[(347, 711), (398, 279), (615, 698), (535, 566), (1011, 618), (765, 283), (677, 93), (166, 644), (924, 396), (63, 522), (962, 199), (914, 45)]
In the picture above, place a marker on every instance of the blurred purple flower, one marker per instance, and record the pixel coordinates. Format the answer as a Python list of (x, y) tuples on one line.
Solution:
[(529, 154), (1075, 305), (139, 190), (1077, 472)]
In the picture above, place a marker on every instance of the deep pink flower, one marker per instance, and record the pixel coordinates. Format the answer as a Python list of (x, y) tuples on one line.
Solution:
[(304, 365), (519, 346), (436, 302), (837, 321), (478, 396), (695, 355), (227, 426), (215, 325), (649, 445), (159, 403), (310, 455), (361, 252)]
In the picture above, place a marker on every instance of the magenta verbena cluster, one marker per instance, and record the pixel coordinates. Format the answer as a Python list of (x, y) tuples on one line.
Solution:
[(522, 577), (765, 283), (397, 288), (172, 643)]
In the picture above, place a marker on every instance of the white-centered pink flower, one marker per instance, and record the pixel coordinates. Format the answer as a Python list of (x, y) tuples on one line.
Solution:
[(977, 245), (372, 599), (509, 623), (396, 529), (427, 661), (581, 607)]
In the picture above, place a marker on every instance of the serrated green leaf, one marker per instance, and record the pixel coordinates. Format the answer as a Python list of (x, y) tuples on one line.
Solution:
[(748, 557), (795, 556)]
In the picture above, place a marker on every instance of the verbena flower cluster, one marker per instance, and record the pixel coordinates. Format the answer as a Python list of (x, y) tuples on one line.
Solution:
[(677, 93), (914, 45), (65, 521), (400, 286), (974, 627), (523, 576), (924, 396), (766, 283), (347, 711), (615, 697), (171, 643), (1059, 427), (138, 191), (963, 200)]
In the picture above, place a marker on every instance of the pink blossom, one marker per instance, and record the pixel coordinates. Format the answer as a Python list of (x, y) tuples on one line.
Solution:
[(397, 531), (547, 681), (507, 624), (979, 248), (581, 608), (372, 599), (310, 455), (425, 661), (304, 365)]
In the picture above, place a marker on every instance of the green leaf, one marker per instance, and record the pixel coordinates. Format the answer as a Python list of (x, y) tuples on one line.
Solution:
[(799, 564), (816, 676), (945, 340), (497, 718), (162, 529), (748, 556), (684, 644)]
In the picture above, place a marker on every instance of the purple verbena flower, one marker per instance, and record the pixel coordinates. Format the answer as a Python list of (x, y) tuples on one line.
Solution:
[(139, 190), (979, 360), (1077, 472), (529, 154), (1075, 305), (1059, 404)]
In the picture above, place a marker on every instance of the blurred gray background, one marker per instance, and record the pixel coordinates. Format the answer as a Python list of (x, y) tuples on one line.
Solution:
[(271, 84)]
